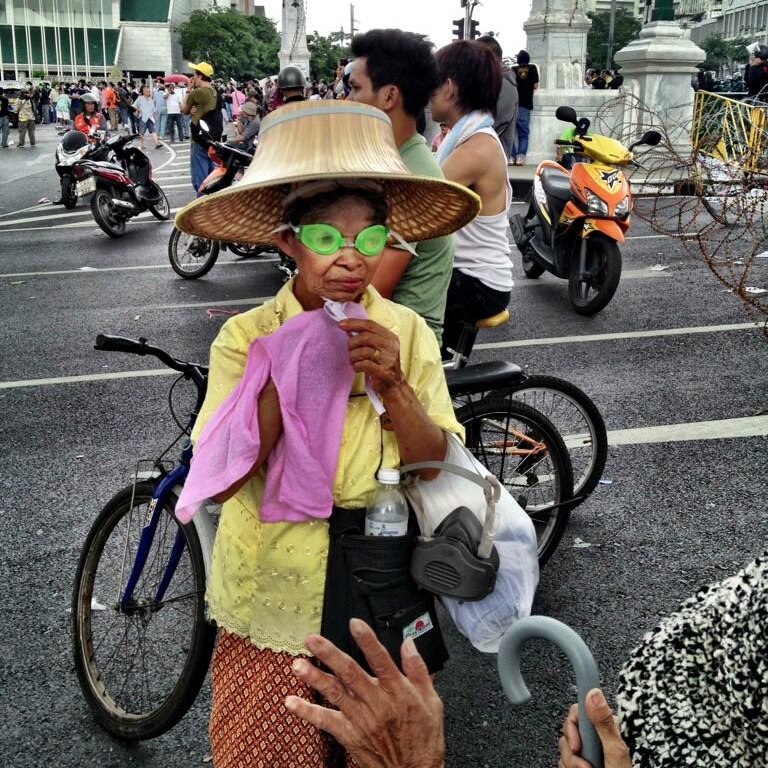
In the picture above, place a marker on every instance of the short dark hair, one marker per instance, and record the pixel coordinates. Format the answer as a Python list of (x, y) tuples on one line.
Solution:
[(523, 57), (308, 209), (404, 59), (493, 44), (475, 71)]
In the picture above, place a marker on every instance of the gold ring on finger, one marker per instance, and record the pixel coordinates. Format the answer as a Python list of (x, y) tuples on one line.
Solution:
[(376, 356)]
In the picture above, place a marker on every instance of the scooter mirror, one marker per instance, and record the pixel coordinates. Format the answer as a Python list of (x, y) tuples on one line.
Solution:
[(567, 115), (204, 126), (651, 138)]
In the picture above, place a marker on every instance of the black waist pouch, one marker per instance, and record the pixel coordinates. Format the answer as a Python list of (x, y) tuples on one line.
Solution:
[(369, 578)]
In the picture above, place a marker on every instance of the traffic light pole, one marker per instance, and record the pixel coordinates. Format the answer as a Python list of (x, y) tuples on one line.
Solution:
[(468, 6)]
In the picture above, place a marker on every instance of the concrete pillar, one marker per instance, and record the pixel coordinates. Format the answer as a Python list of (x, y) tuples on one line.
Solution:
[(293, 36), (557, 42), (657, 68)]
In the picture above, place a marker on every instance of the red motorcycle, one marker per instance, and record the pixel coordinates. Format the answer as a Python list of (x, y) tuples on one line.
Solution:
[(123, 189)]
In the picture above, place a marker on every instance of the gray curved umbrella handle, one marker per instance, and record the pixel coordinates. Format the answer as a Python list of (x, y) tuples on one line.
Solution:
[(587, 676)]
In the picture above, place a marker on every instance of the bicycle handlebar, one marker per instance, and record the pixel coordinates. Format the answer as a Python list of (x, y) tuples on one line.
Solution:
[(194, 371)]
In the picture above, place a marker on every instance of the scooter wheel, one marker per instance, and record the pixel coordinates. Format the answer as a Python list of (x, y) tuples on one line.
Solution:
[(102, 211), (68, 192), (591, 290), (191, 257), (162, 210), (531, 269)]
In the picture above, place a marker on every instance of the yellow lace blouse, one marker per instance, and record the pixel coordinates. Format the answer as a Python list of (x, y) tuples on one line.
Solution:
[(267, 579)]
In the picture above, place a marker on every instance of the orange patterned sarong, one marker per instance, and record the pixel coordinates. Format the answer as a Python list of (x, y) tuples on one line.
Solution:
[(250, 727)]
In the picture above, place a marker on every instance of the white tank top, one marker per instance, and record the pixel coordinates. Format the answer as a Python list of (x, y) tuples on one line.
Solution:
[(482, 247)]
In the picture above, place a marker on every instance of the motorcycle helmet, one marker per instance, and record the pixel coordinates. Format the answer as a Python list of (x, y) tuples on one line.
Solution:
[(291, 77), (71, 141), (88, 98), (761, 52)]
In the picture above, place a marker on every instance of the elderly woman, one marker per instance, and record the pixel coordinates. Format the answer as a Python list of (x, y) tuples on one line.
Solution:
[(271, 582)]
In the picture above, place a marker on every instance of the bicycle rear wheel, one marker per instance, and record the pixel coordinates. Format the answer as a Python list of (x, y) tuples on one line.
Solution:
[(140, 667), (577, 420), (524, 451)]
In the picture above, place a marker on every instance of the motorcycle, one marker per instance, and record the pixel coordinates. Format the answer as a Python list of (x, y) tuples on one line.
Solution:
[(73, 147), (192, 257), (576, 219), (122, 188)]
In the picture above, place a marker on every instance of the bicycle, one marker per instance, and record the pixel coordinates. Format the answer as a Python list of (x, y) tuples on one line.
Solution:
[(153, 569), (572, 412)]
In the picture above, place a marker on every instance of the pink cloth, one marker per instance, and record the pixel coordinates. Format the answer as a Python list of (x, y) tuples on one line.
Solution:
[(308, 360)]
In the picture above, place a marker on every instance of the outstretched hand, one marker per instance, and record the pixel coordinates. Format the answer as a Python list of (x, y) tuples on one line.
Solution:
[(615, 750), (392, 720)]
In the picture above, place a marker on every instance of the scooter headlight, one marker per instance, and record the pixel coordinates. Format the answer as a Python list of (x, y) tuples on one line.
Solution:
[(622, 209), (596, 206)]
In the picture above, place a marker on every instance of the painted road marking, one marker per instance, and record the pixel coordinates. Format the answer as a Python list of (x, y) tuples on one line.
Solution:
[(616, 336), (721, 429), (96, 270), (58, 216), (749, 426)]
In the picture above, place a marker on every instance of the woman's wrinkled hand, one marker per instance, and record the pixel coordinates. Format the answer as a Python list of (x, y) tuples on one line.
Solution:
[(392, 720), (375, 351)]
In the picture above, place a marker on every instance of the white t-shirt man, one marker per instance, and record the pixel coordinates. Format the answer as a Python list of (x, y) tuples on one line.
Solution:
[(173, 103)]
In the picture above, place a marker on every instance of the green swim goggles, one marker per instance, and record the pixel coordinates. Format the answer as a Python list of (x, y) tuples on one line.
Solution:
[(325, 240)]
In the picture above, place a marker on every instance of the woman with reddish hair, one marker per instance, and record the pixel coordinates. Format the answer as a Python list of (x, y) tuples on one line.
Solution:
[(472, 155)]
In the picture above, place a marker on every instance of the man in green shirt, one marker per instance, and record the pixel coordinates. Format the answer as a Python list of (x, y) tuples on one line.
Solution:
[(202, 104), (396, 72)]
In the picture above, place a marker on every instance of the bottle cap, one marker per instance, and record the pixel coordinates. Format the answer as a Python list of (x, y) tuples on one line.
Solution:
[(388, 476)]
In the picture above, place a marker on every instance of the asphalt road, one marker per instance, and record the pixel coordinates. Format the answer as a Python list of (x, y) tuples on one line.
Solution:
[(671, 515)]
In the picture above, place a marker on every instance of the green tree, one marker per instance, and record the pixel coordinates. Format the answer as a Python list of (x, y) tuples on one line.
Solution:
[(626, 28), (235, 45), (723, 54), (324, 54)]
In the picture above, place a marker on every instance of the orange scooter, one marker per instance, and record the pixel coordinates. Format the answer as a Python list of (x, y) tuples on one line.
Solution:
[(577, 219)]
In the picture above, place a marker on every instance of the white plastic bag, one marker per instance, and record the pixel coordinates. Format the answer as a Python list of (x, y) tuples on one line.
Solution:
[(483, 622)]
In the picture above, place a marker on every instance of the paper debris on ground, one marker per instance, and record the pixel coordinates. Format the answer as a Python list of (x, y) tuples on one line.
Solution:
[(755, 291), (658, 267), (18, 282), (605, 482), (763, 255), (97, 606), (88, 269), (580, 543), (43, 200)]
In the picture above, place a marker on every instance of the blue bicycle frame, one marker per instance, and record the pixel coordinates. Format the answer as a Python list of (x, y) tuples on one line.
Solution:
[(175, 477)]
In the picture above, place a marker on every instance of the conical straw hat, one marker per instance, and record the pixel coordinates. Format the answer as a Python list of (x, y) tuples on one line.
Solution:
[(320, 140)]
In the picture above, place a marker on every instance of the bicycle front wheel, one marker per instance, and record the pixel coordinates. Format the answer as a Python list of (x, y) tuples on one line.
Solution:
[(577, 420), (525, 452), (140, 666)]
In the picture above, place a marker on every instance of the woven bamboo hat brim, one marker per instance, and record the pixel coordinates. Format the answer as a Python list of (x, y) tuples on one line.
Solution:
[(310, 141)]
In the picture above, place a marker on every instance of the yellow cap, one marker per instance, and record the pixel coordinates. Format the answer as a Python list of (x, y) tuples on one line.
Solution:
[(204, 68)]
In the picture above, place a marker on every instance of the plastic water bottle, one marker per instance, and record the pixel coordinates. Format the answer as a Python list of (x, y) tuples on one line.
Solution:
[(387, 513)]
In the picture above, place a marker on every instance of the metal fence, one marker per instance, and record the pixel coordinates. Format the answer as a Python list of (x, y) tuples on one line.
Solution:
[(730, 131)]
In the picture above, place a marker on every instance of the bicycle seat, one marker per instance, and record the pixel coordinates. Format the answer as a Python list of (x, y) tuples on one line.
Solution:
[(493, 322), (483, 377)]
